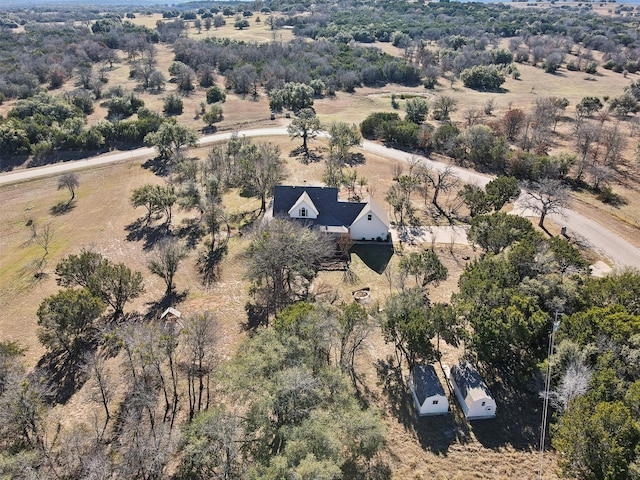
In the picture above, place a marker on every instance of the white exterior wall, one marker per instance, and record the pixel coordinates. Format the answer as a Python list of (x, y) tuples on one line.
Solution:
[(474, 409), (368, 229), (295, 213), (477, 410), (427, 407)]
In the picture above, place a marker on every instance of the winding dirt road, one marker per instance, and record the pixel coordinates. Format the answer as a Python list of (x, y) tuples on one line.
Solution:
[(590, 233)]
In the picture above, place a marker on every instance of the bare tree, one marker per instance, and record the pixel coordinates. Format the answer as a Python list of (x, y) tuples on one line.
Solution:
[(546, 196), (282, 260), (443, 106), (261, 169), (164, 261), (41, 237), (200, 345), (614, 143), (586, 135), (575, 382), (442, 181), (102, 391)]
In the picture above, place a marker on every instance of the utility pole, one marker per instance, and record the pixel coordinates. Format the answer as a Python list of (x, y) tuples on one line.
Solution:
[(547, 387)]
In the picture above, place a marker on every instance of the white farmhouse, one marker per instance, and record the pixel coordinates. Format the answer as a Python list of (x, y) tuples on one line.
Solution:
[(471, 391), (320, 207), (427, 391)]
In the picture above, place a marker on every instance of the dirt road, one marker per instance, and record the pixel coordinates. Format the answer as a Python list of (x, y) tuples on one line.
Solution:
[(591, 234)]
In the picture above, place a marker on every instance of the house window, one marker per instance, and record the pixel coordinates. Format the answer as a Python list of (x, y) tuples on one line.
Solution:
[(303, 212), (435, 402), (369, 217)]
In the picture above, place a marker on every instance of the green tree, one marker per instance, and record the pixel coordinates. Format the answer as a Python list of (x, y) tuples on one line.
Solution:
[(425, 267), (493, 233), (114, 283), (306, 125), (297, 96), (512, 336), (67, 321), (567, 257), (343, 137), (417, 109), (213, 115), (171, 139), (157, 199), (408, 325), (306, 423), (475, 199), (484, 148), (624, 105), (212, 447), (588, 106), (501, 191), (619, 288), (14, 139), (482, 77), (216, 95), (596, 442), (173, 105)]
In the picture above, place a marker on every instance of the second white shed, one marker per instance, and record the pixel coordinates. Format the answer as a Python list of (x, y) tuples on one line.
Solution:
[(471, 391), (427, 391)]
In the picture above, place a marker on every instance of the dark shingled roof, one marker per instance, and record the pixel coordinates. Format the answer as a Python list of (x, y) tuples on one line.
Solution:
[(332, 212), (469, 381), (426, 382)]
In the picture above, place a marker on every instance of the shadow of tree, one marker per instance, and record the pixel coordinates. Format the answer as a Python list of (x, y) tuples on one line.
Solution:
[(244, 219), (191, 231), (9, 163), (64, 374), (312, 156), (62, 208), (142, 230), (156, 308), (518, 418), (208, 264), (157, 166), (257, 316), (355, 158)]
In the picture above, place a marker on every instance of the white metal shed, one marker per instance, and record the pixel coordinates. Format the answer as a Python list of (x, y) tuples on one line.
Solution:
[(427, 391), (471, 391)]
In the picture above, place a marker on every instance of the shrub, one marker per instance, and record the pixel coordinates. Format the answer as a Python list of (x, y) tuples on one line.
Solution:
[(173, 105), (482, 77), (216, 95), (371, 127)]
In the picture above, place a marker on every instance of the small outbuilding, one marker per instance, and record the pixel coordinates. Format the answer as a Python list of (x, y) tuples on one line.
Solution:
[(471, 391), (427, 391)]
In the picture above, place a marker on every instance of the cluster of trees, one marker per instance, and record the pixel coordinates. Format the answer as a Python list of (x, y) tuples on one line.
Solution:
[(463, 33), (307, 423), (43, 124), (595, 381), (332, 67)]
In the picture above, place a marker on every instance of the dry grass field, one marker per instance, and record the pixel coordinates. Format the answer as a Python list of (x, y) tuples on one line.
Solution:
[(418, 448)]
